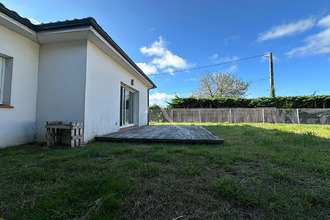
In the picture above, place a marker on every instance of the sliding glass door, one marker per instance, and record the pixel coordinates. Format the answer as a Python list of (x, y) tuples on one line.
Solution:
[(126, 107)]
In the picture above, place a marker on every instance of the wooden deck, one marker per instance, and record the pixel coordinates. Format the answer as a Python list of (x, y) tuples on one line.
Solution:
[(164, 133)]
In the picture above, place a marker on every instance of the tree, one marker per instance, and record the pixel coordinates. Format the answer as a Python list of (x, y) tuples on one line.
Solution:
[(221, 84), (156, 113), (155, 107)]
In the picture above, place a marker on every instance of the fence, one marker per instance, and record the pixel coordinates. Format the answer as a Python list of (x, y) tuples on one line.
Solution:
[(243, 115)]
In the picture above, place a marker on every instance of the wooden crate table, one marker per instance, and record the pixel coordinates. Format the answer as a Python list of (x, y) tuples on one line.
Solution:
[(58, 134)]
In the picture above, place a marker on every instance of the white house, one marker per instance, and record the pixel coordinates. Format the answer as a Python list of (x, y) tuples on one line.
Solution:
[(65, 71)]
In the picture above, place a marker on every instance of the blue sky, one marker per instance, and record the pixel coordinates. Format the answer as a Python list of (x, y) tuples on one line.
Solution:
[(172, 35)]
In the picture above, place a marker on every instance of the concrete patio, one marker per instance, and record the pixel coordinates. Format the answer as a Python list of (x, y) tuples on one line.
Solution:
[(164, 134)]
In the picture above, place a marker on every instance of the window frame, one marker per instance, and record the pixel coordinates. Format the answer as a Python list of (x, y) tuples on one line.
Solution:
[(6, 81), (2, 78)]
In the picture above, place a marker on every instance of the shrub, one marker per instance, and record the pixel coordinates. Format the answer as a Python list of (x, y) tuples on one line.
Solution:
[(321, 101)]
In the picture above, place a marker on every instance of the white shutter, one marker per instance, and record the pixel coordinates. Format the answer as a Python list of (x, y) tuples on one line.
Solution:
[(2, 78)]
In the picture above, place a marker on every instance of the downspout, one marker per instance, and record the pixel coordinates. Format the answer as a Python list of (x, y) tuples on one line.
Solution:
[(148, 107)]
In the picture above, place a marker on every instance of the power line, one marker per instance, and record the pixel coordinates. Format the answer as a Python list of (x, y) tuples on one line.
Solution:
[(191, 85), (262, 79), (191, 91), (202, 67)]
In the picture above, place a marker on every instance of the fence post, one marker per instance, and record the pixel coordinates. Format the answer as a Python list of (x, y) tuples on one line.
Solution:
[(199, 115), (298, 116), (229, 120), (263, 115), (276, 118), (172, 115)]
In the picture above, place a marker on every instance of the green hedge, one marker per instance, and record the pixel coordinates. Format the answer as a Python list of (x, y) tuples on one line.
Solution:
[(320, 101)]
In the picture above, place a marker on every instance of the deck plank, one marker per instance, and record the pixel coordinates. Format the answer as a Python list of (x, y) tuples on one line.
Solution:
[(164, 133)]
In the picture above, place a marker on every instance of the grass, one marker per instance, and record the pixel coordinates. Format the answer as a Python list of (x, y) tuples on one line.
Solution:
[(262, 171), (232, 189)]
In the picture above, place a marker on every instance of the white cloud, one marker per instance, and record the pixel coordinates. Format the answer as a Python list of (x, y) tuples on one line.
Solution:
[(287, 29), (227, 59), (160, 96), (317, 43), (170, 60), (160, 103), (231, 39), (324, 22), (232, 69), (214, 57), (146, 68), (158, 48), (34, 21), (163, 59), (170, 71)]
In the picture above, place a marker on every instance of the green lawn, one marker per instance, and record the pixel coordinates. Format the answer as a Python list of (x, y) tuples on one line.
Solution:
[(262, 171)]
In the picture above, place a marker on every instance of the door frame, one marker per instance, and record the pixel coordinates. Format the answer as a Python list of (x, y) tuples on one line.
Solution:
[(135, 106)]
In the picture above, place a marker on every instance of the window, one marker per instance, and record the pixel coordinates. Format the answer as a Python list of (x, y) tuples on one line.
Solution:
[(2, 77), (6, 68)]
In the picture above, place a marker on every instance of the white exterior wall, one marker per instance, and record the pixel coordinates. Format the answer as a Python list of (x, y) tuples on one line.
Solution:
[(17, 125), (61, 84), (102, 103)]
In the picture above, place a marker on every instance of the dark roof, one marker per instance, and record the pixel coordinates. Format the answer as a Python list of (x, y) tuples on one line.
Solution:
[(89, 21)]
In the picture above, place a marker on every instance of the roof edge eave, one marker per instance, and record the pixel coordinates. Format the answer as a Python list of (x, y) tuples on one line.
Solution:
[(89, 21)]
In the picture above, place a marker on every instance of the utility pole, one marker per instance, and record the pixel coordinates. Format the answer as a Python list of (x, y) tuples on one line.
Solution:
[(271, 76)]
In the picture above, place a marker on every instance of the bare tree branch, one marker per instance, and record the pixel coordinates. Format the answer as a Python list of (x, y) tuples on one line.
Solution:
[(221, 84)]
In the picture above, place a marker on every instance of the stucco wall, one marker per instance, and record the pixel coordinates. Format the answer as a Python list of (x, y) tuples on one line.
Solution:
[(17, 125), (61, 84), (102, 104)]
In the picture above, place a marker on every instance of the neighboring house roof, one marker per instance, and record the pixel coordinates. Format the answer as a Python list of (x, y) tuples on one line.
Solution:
[(89, 21)]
